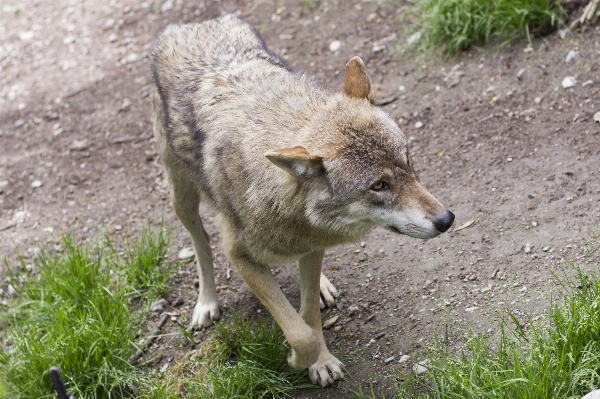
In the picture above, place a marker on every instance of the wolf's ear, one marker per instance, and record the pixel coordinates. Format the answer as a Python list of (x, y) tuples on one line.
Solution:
[(356, 81), (297, 161)]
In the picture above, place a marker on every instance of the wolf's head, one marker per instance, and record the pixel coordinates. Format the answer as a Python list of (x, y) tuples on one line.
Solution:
[(357, 170)]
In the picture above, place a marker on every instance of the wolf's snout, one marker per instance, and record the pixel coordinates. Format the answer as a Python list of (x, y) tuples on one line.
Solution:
[(444, 222)]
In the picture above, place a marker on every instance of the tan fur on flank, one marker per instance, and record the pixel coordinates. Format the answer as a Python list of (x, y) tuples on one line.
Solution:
[(290, 169)]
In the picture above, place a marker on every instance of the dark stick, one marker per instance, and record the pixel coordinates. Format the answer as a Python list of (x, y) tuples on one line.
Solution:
[(150, 339)]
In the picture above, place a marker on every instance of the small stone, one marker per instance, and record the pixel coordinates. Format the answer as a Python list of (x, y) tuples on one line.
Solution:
[(521, 73), (36, 184), (186, 253), (597, 117), (571, 54), (133, 57), (568, 82), (79, 145), (335, 45), (587, 83), (546, 249), (19, 123), (415, 37), (472, 277), (3, 183), (527, 249), (537, 100), (166, 6), (352, 310), (68, 39), (158, 305), (528, 49), (363, 244), (177, 302), (404, 359), (563, 33), (534, 223), (421, 367), (48, 230), (389, 359), (419, 125), (330, 322), (125, 105), (118, 227), (112, 38), (26, 35), (11, 290), (509, 159), (523, 289), (471, 309)]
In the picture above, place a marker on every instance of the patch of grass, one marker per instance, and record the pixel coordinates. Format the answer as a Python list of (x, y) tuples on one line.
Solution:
[(454, 25), (75, 313), (142, 266), (243, 360), (557, 358)]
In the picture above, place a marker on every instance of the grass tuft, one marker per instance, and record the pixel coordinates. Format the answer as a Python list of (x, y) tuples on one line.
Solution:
[(243, 360), (557, 358), (454, 25), (74, 313)]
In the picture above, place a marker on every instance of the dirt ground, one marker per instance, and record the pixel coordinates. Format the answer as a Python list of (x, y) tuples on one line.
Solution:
[(501, 143)]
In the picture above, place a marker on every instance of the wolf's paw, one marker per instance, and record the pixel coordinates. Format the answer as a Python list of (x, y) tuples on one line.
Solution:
[(205, 314), (326, 370), (328, 292)]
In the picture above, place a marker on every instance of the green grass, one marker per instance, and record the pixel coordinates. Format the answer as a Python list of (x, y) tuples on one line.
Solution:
[(243, 360), (454, 25), (74, 312), (556, 358)]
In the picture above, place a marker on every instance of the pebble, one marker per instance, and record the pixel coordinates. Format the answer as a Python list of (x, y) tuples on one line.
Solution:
[(125, 105), (421, 367), (597, 117), (546, 249), (330, 322), (571, 54), (3, 183), (19, 123), (36, 184), (415, 37), (521, 73), (335, 45), (11, 291), (186, 253), (527, 249), (471, 309), (352, 310), (563, 33), (26, 35), (538, 100), (68, 39), (389, 359), (404, 359), (112, 38), (593, 395), (568, 82), (587, 83), (167, 6), (118, 227), (158, 305), (419, 125)]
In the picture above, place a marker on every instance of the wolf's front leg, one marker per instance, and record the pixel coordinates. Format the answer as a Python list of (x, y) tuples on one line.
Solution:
[(302, 338), (327, 368)]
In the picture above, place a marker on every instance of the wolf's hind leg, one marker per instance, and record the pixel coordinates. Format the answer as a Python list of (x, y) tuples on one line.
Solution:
[(185, 201), (328, 292)]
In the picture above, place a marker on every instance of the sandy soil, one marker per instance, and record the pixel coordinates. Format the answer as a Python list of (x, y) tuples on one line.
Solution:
[(502, 144)]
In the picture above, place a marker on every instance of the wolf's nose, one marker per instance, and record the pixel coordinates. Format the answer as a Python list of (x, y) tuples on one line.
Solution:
[(444, 222)]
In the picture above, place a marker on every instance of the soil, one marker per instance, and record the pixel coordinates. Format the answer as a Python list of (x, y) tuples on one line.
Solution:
[(502, 144)]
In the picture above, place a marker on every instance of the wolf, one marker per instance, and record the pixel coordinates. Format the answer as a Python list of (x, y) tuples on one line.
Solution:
[(289, 167)]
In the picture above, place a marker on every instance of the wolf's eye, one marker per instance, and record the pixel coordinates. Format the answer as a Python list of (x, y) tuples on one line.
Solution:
[(380, 185)]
